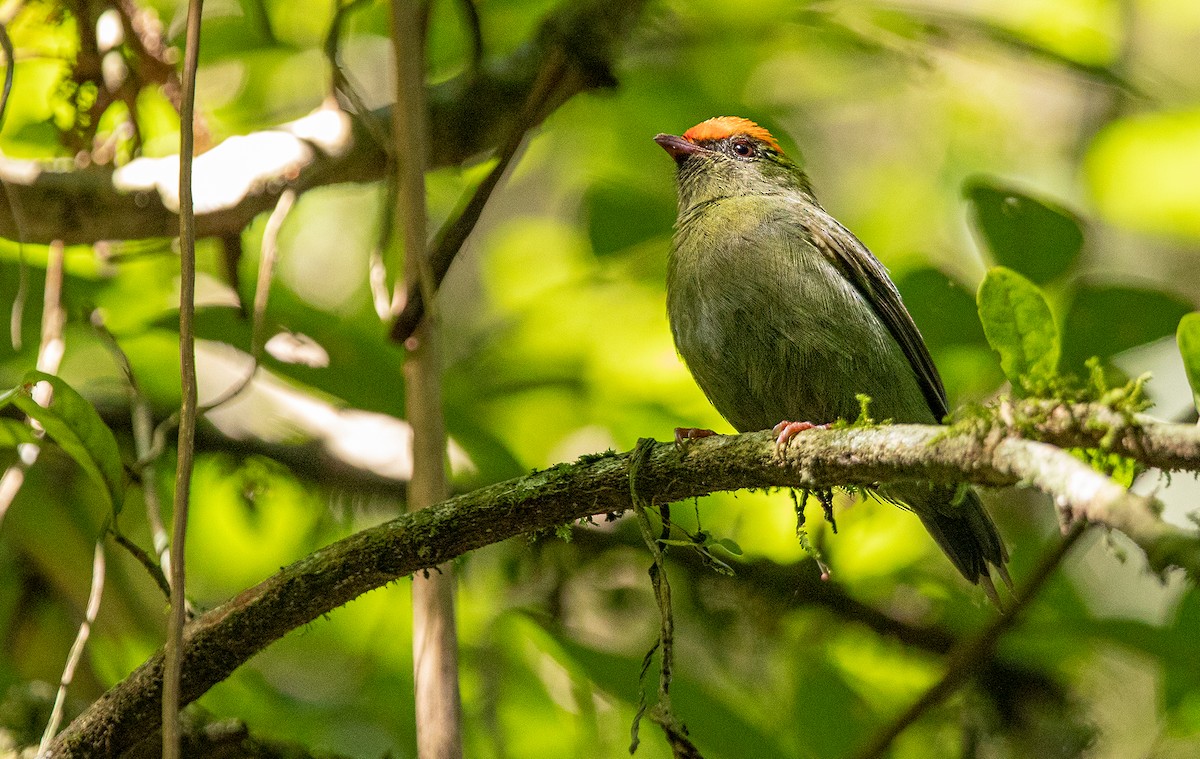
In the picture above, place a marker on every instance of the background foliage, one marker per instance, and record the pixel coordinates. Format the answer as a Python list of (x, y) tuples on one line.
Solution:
[(1059, 138)]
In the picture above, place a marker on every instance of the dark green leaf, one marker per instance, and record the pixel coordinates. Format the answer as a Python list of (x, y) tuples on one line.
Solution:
[(1105, 320), (623, 215), (720, 728), (943, 311), (822, 698), (1036, 237), (72, 422), (1019, 326), (1188, 337)]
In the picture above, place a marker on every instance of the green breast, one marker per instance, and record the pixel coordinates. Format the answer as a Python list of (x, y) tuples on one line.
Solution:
[(769, 327)]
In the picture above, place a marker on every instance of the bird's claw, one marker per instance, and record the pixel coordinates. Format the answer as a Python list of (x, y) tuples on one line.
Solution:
[(684, 434), (785, 430)]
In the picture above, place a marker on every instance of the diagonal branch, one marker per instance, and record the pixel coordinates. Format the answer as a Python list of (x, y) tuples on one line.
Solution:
[(455, 232), (969, 657), (223, 639)]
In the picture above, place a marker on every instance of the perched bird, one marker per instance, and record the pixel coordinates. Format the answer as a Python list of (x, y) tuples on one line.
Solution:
[(782, 314)]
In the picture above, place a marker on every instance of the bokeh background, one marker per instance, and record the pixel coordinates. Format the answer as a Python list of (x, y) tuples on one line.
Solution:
[(909, 118)]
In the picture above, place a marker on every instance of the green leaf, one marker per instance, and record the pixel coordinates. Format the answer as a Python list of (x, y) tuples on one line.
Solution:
[(1019, 326), (1038, 238), (621, 215), (1188, 337), (943, 311), (72, 422), (730, 545), (14, 433), (1103, 320)]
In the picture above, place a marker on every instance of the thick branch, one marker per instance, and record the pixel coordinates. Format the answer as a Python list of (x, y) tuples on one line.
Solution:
[(224, 638), (245, 176)]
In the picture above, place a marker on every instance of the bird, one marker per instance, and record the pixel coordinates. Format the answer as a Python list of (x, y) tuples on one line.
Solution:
[(785, 318)]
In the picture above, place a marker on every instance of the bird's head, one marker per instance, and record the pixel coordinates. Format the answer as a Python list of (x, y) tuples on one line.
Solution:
[(730, 156)]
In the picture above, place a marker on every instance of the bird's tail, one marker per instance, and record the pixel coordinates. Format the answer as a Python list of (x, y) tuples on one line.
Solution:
[(964, 531)]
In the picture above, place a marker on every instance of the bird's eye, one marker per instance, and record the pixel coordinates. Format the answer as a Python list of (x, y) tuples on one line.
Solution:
[(743, 148)]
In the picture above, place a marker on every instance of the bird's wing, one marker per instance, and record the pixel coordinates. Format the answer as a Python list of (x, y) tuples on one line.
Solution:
[(870, 278)]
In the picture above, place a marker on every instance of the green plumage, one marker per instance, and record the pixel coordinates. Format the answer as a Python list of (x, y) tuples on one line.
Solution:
[(781, 313)]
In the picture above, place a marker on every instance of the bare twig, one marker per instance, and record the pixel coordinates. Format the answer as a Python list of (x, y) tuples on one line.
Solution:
[(454, 233), (340, 80), (262, 291), (173, 669), (661, 713), (965, 660), (16, 317), (266, 271), (81, 638), (142, 423), (147, 561)]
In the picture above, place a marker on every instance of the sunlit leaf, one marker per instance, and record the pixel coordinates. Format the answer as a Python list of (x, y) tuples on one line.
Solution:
[(1142, 171), (1019, 326), (622, 215), (1188, 337), (1036, 237), (72, 422)]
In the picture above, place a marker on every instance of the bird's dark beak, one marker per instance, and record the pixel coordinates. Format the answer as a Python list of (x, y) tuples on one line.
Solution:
[(678, 147)]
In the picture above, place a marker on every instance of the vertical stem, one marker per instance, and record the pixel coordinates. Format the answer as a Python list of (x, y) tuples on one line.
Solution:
[(173, 664), (435, 652)]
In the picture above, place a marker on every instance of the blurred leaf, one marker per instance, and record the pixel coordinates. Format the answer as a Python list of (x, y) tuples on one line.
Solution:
[(1188, 338), (1075, 43), (823, 698), (1142, 172), (1038, 238), (1104, 320), (944, 312), (1019, 326), (12, 431), (621, 215), (716, 727), (72, 422)]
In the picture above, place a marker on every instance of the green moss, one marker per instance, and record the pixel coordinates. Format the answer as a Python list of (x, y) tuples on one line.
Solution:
[(864, 416), (591, 458), (1046, 396)]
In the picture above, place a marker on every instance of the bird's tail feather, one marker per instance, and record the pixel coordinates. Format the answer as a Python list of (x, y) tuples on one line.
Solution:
[(964, 532)]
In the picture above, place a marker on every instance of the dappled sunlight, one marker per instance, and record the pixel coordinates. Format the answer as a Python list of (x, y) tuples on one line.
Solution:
[(1027, 172)]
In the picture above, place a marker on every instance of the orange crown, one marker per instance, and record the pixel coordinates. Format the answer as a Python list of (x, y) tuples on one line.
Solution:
[(720, 127)]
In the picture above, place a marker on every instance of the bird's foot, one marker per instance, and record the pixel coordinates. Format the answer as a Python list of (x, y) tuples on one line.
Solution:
[(684, 434), (785, 430)]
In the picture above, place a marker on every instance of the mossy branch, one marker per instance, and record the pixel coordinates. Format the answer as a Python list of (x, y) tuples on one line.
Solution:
[(220, 641)]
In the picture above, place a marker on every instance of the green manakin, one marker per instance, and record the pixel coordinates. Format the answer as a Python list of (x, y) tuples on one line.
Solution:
[(781, 313)]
